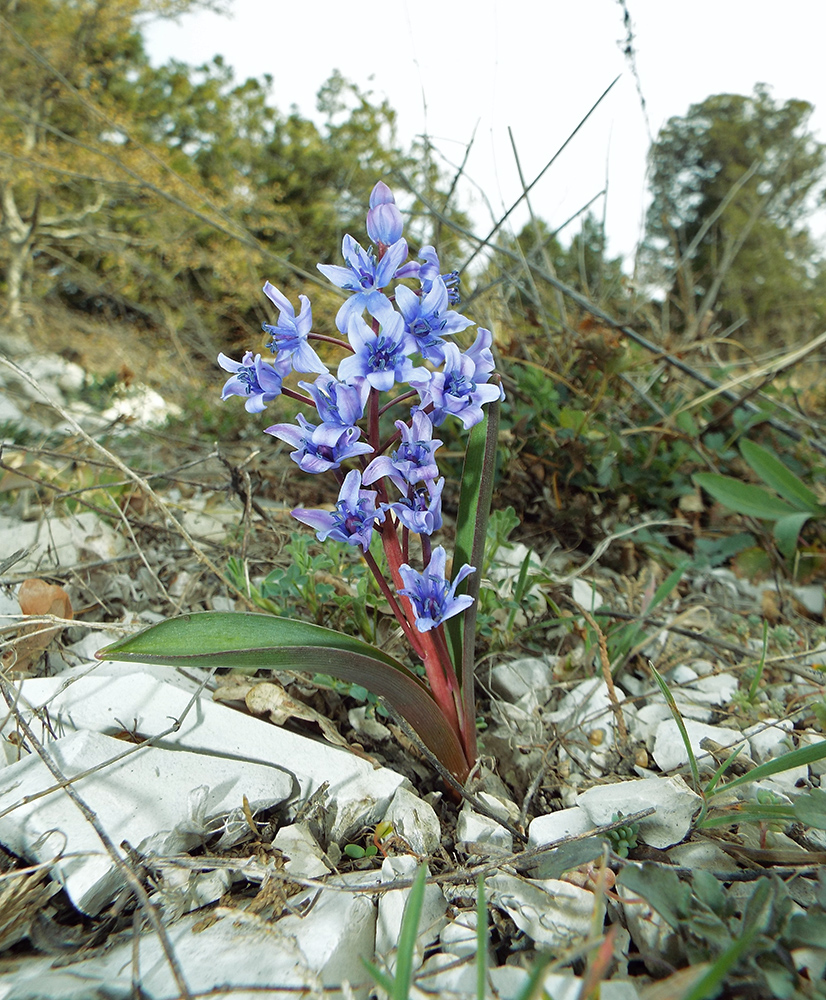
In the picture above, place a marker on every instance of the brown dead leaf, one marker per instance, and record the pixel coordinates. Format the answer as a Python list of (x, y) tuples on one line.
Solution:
[(264, 697), (36, 598), (271, 698)]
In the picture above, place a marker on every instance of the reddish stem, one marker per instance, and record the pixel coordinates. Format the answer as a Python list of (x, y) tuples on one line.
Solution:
[(331, 340), (438, 667)]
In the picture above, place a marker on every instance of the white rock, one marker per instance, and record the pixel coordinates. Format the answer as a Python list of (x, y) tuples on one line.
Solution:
[(416, 821), (713, 689), (586, 595), (182, 890), (553, 826), (304, 856), (811, 597), (670, 752), (682, 674), (810, 738), (553, 913), (367, 725), (474, 828), (338, 931), (149, 698), (586, 704), (703, 667), (674, 802), (239, 955), (769, 738), (162, 802), (391, 910), (458, 937), (142, 405), (700, 854), (58, 541), (528, 675)]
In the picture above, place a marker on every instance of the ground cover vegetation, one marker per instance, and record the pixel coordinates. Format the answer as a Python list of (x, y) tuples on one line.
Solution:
[(658, 426)]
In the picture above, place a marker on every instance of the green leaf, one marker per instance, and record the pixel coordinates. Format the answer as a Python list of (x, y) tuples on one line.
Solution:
[(786, 531), (794, 758), (558, 860), (481, 940), (711, 982), (743, 498), (810, 809), (408, 935), (775, 474), (469, 548), (235, 639), (661, 888)]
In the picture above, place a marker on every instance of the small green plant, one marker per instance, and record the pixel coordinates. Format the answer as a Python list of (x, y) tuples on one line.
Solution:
[(741, 936), (623, 838), (785, 499)]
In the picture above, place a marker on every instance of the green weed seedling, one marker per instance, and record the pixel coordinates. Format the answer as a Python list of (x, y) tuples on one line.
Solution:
[(785, 499)]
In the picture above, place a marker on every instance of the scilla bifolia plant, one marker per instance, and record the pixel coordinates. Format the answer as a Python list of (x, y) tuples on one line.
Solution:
[(396, 363)]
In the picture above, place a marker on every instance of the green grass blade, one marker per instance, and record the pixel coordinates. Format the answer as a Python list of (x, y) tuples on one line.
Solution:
[(672, 705), (387, 983), (794, 758), (481, 939), (408, 935)]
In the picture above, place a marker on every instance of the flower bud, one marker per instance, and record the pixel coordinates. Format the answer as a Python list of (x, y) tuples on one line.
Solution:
[(384, 220)]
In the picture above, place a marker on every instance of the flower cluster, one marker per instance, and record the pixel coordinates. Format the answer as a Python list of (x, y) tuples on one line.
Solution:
[(395, 341)]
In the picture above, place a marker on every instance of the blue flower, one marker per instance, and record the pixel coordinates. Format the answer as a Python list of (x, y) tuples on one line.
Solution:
[(382, 358), (353, 518), (289, 335), (413, 460), (429, 272), (433, 599), (258, 380), (456, 391), (428, 318), (364, 274), (338, 404), (320, 447), (384, 220), (421, 510)]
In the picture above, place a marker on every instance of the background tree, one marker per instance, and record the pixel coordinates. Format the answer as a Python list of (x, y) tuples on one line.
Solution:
[(732, 184), (167, 195)]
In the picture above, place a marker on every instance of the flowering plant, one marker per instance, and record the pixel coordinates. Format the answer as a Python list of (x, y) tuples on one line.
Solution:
[(395, 361)]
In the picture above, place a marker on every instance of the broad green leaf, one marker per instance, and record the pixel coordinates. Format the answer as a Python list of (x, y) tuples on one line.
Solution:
[(743, 498), (775, 474), (712, 981), (235, 639), (554, 862), (661, 888), (810, 809), (786, 531)]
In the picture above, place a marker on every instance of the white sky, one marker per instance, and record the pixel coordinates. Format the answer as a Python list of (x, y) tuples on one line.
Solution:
[(536, 66)]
